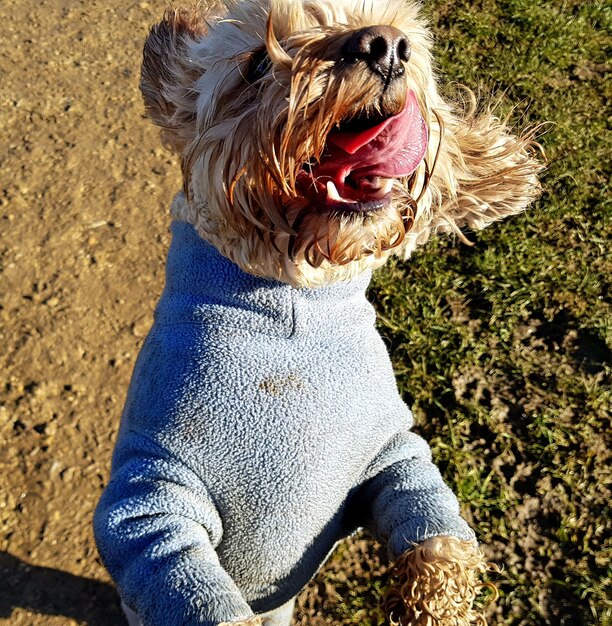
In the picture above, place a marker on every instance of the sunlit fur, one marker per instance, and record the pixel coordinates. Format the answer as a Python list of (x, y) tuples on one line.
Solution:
[(243, 145), (436, 583)]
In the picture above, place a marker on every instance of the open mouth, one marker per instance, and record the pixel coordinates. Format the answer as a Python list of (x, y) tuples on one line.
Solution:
[(362, 160)]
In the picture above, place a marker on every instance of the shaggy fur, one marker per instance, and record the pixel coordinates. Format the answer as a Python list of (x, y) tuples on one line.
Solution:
[(243, 142), (246, 92), (436, 584)]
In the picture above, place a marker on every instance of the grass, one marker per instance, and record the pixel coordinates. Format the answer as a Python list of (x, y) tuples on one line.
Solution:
[(503, 348)]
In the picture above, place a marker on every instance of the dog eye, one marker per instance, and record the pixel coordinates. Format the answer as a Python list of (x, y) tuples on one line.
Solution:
[(259, 66)]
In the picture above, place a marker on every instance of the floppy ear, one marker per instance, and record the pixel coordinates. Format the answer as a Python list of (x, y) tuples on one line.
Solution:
[(169, 73), (484, 172)]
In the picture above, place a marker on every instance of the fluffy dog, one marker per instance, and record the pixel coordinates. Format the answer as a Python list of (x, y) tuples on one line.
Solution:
[(263, 423)]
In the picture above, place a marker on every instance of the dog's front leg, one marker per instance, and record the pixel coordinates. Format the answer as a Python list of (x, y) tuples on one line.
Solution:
[(437, 563), (157, 529)]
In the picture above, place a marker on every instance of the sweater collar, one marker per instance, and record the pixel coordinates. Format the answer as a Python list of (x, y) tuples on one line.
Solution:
[(202, 284)]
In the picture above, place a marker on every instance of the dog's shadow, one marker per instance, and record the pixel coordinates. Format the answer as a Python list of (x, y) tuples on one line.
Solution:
[(48, 591)]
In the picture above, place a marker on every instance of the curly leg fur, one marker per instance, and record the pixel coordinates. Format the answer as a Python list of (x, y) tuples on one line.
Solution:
[(435, 584)]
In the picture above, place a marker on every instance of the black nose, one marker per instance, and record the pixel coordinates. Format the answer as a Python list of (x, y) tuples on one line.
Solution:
[(383, 48)]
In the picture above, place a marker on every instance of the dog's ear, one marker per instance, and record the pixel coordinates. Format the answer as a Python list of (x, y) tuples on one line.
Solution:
[(484, 172), (169, 73)]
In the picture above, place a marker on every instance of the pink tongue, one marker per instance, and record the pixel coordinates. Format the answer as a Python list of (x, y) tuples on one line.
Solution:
[(393, 148), (351, 142)]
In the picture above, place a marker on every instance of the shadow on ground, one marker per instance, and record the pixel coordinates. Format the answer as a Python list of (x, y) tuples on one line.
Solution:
[(52, 592)]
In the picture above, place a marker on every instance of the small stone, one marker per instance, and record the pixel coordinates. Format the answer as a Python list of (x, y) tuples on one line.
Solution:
[(140, 327), (68, 474)]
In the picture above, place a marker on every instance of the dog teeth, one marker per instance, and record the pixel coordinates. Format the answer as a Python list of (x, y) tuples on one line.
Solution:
[(376, 188), (386, 187), (334, 194)]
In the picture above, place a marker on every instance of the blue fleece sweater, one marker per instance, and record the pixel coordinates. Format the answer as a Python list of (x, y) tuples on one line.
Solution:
[(262, 425)]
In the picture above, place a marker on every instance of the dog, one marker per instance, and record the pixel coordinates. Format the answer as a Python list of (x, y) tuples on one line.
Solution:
[(263, 422)]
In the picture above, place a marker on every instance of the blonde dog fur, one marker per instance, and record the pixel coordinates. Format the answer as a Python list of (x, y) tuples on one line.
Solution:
[(243, 145)]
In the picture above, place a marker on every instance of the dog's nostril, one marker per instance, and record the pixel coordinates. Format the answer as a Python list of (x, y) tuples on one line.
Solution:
[(378, 48), (403, 49), (383, 48)]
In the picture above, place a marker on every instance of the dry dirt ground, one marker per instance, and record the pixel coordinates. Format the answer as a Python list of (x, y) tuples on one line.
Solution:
[(83, 201)]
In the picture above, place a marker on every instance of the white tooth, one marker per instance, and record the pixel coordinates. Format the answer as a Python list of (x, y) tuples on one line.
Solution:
[(332, 192), (388, 185)]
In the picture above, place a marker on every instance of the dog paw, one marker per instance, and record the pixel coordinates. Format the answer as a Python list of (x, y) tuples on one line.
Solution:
[(435, 584)]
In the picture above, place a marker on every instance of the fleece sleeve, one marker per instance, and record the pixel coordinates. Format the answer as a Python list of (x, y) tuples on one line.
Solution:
[(407, 501), (156, 529)]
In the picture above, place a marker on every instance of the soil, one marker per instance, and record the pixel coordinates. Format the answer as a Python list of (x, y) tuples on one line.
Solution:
[(84, 189)]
